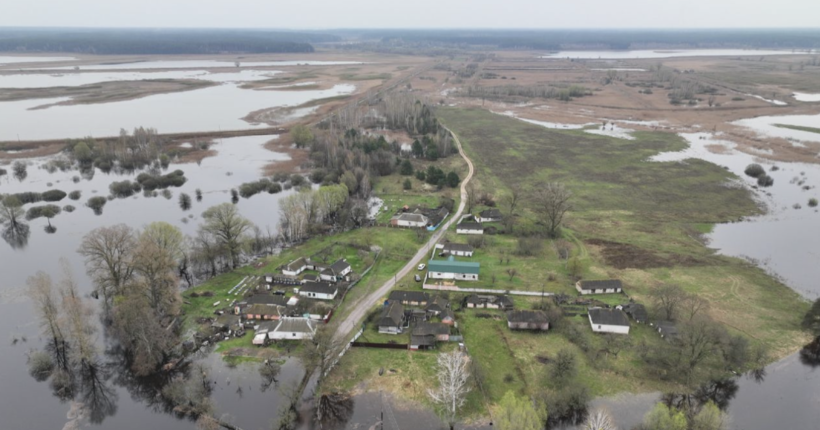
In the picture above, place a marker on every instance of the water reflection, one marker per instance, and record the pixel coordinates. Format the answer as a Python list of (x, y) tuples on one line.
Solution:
[(810, 354), (334, 410), (16, 235)]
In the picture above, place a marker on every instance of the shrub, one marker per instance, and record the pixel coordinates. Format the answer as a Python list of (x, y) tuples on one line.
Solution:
[(420, 175), (184, 201), (812, 202), (529, 246), (476, 241), (198, 195), (68, 208), (406, 168), (754, 170), (40, 365), (28, 197), (96, 203), (297, 180), (167, 194), (75, 195), (765, 180), (48, 211), (408, 185), (317, 176), (3, 172), (153, 182), (19, 168), (164, 160), (453, 179), (124, 188), (274, 188)]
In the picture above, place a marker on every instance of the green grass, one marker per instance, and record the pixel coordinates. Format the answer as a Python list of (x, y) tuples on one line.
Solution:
[(799, 128)]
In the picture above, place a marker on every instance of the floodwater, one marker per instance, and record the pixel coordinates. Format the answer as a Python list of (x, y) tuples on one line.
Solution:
[(220, 107), (239, 160), (75, 79), (4, 60), (765, 126), (665, 53), (806, 97), (199, 64)]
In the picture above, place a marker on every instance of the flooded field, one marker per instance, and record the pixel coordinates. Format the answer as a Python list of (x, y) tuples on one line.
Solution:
[(199, 64), (767, 126), (664, 53), (75, 79), (5, 60)]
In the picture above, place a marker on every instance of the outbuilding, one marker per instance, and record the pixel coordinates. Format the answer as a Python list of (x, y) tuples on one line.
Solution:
[(528, 320), (319, 290), (608, 321), (469, 228), (295, 267), (608, 286), (452, 269), (293, 329)]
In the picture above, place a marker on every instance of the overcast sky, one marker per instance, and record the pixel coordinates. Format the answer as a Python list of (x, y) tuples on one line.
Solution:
[(318, 14)]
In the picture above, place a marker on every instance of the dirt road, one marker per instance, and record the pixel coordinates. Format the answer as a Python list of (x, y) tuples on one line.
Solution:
[(366, 303)]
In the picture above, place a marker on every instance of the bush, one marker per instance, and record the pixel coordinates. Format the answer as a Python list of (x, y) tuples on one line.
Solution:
[(28, 197), (48, 211), (408, 185), (297, 180), (812, 202), (124, 188), (184, 201), (420, 175), (40, 365), (3, 172), (529, 246), (198, 193), (453, 179), (406, 168), (167, 194), (765, 180), (96, 203), (317, 176), (476, 241), (754, 170), (68, 208), (153, 182), (75, 195)]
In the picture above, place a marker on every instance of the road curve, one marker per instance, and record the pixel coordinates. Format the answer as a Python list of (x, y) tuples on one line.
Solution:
[(362, 306)]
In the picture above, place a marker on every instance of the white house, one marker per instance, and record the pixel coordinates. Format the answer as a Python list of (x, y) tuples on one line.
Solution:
[(608, 321), (469, 228), (336, 271), (262, 330), (608, 286), (410, 220), (458, 249), (489, 215), (295, 267), (294, 329), (452, 269), (319, 290)]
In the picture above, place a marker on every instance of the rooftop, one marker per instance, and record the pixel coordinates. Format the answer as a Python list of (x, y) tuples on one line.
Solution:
[(408, 296), (428, 328), (452, 266), (295, 325), (470, 226), (608, 317), (318, 288), (537, 317), (601, 284)]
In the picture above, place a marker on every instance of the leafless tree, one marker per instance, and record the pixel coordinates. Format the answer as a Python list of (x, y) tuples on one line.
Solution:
[(667, 299), (512, 273), (692, 305), (46, 305), (140, 332), (107, 252), (599, 420), (552, 202), (453, 377), (77, 315), (509, 203), (226, 224), (472, 195), (321, 351)]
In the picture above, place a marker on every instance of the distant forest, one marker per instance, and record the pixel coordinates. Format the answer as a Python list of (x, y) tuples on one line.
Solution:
[(594, 39), (165, 41)]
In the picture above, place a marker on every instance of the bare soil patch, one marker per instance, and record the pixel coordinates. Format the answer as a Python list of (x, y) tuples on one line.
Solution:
[(625, 256)]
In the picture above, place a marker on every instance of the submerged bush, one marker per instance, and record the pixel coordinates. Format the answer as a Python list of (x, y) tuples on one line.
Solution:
[(184, 201), (765, 180), (68, 208), (40, 365), (812, 202), (75, 195), (153, 182), (3, 172), (124, 188), (167, 194), (48, 211), (54, 195), (28, 197), (96, 203), (249, 189), (754, 170)]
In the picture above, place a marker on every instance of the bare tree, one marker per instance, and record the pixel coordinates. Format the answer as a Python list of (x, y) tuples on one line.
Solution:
[(692, 305), (453, 378), (107, 252), (599, 420), (512, 273), (321, 351), (552, 202), (226, 224), (41, 291), (472, 195), (667, 300), (509, 203), (77, 315)]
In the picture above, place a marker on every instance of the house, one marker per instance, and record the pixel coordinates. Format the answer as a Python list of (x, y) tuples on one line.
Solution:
[(418, 342), (294, 329), (448, 317), (489, 215), (608, 321), (488, 302), (452, 269), (392, 320), (226, 322), (528, 320), (337, 271), (607, 286), (439, 330), (437, 305), (310, 277), (667, 329), (280, 279), (318, 290), (258, 299), (412, 220), (635, 311), (295, 267), (411, 298), (262, 330), (458, 249), (434, 216), (469, 228), (262, 312)]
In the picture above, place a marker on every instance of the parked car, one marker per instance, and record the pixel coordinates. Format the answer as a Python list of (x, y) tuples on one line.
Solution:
[(418, 278), (422, 266)]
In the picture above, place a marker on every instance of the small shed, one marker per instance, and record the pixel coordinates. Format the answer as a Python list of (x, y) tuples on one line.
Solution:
[(528, 320)]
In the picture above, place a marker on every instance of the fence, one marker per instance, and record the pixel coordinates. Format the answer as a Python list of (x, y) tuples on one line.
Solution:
[(379, 345), (457, 289), (343, 351)]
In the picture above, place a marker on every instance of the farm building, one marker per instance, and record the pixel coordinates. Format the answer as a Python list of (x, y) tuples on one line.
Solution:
[(318, 290), (412, 220), (469, 228), (262, 330), (293, 328), (262, 312), (295, 267), (336, 272), (258, 299), (607, 286), (528, 320), (411, 298), (392, 320), (422, 341), (489, 215), (608, 321), (439, 330), (482, 301), (458, 249), (452, 269), (667, 329), (448, 317), (437, 305), (635, 311)]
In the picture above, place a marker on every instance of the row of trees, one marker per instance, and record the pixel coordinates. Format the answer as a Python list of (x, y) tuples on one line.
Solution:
[(305, 211)]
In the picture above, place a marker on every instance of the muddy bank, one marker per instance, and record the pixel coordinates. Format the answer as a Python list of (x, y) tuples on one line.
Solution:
[(103, 92)]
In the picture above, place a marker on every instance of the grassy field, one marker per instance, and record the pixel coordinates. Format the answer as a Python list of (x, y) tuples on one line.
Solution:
[(799, 128), (635, 220)]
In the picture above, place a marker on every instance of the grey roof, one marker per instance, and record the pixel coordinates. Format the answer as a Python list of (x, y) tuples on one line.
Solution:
[(470, 226), (438, 304), (296, 264), (463, 247), (608, 317), (667, 328), (411, 217), (490, 213), (408, 296), (310, 277), (537, 317), (393, 315), (427, 328), (636, 311), (502, 300), (422, 340), (601, 285), (266, 326), (295, 325), (264, 299), (318, 288), (339, 266), (448, 313), (226, 320)]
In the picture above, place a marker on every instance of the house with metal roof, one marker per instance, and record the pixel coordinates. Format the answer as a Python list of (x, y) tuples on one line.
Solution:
[(458, 249), (318, 290), (295, 267), (336, 271), (407, 219), (608, 321), (452, 269), (294, 329), (469, 228)]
